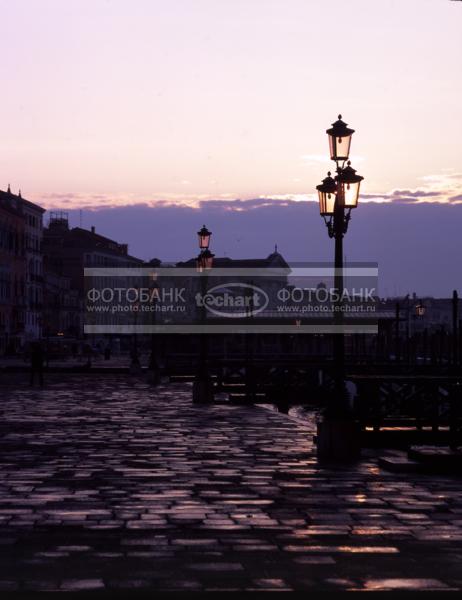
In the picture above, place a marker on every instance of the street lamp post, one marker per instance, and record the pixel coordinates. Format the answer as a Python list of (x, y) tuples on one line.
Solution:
[(249, 348), (153, 365), (203, 384), (418, 331), (338, 431), (455, 328), (135, 364)]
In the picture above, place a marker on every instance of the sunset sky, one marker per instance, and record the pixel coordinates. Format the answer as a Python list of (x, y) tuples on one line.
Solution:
[(191, 99), (116, 102)]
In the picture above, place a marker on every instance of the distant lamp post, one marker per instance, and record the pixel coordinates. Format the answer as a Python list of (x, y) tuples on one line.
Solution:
[(420, 309), (338, 433), (203, 384), (204, 261), (135, 364), (153, 365), (204, 238)]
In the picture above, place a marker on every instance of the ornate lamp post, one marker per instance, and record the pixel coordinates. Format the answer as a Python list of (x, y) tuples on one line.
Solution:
[(203, 384), (153, 366), (455, 328), (135, 364), (338, 432)]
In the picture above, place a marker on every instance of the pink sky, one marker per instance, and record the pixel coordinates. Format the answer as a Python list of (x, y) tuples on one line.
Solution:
[(114, 102)]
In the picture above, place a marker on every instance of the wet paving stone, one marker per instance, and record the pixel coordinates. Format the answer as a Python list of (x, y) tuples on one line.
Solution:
[(111, 484), (405, 584)]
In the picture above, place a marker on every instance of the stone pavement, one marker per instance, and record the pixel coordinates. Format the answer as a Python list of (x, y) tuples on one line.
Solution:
[(116, 361), (107, 483)]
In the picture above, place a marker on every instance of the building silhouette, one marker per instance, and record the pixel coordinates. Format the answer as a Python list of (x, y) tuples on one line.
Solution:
[(33, 216), (67, 252), (21, 274)]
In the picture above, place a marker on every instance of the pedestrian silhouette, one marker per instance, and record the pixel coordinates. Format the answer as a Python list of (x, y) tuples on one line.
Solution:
[(88, 352), (36, 363)]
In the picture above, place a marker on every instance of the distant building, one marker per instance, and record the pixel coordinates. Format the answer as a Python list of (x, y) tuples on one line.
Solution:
[(33, 216), (12, 273), (62, 307), (67, 252), (21, 275), (270, 274), (426, 313)]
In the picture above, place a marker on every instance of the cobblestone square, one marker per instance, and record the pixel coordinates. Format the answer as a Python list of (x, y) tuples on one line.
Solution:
[(108, 483)]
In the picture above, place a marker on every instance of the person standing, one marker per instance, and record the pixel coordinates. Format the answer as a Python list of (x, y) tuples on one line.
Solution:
[(36, 363)]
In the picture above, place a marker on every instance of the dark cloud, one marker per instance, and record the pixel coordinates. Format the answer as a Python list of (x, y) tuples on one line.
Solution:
[(418, 246), (415, 193), (373, 196), (244, 205)]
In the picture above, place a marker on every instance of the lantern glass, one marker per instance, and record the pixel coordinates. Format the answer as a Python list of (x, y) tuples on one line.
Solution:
[(327, 194), (350, 194), (326, 203), (350, 182), (339, 147)]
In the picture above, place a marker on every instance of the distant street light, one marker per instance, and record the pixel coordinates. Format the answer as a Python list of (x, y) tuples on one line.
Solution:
[(135, 364), (203, 384), (420, 309), (204, 238), (338, 432), (153, 365)]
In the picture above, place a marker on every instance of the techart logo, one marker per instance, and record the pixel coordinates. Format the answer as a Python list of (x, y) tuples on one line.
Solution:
[(234, 300)]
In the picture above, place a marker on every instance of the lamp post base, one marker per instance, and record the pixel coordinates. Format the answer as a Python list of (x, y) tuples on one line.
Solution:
[(135, 367), (338, 440), (203, 392), (154, 376)]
